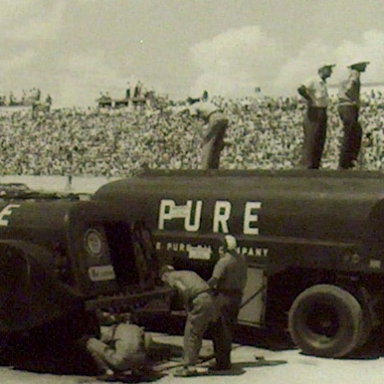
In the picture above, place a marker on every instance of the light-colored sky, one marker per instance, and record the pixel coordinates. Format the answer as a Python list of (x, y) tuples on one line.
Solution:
[(74, 49)]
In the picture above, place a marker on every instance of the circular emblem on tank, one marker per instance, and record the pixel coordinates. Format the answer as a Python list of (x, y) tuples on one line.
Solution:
[(94, 242)]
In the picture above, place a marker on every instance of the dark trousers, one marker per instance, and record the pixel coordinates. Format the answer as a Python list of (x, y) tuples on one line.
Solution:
[(223, 328), (213, 142), (315, 132), (351, 142)]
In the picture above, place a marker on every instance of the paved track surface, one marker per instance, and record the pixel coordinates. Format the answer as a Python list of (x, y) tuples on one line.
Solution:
[(27, 364)]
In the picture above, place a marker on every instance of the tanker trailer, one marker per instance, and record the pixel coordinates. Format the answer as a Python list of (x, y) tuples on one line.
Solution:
[(314, 242), (60, 260)]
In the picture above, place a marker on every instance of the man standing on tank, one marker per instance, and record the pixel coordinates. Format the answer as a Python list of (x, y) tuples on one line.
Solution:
[(213, 139), (215, 127), (315, 121), (349, 107)]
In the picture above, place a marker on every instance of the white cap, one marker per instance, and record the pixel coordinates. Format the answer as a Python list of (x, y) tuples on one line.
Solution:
[(230, 242), (166, 269)]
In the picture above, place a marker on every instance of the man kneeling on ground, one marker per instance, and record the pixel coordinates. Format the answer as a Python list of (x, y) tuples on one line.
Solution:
[(120, 348)]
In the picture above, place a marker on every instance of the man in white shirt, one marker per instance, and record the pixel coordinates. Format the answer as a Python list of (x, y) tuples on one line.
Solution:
[(349, 106), (216, 124), (315, 122)]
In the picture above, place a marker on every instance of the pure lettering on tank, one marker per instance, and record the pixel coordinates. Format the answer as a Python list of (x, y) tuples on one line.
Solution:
[(191, 214)]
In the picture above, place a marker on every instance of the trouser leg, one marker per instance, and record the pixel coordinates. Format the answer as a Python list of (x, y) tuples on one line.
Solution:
[(315, 130), (214, 141), (222, 330), (215, 158), (197, 322), (352, 135), (206, 155), (222, 342), (320, 136), (93, 347), (192, 343)]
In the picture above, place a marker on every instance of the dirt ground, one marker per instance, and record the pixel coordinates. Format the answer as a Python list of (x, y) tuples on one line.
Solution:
[(250, 365)]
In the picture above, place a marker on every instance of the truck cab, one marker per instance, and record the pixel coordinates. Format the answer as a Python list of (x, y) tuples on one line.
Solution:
[(62, 256)]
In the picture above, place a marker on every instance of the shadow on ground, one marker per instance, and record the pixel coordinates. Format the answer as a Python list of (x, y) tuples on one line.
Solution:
[(47, 356), (257, 337), (44, 355), (273, 340), (372, 350)]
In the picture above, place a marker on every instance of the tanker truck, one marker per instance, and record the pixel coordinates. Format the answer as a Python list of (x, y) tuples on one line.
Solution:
[(314, 242), (63, 257)]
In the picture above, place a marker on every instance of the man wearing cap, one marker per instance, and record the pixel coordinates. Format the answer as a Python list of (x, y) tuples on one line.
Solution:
[(228, 279), (201, 309), (315, 120), (349, 106), (120, 348)]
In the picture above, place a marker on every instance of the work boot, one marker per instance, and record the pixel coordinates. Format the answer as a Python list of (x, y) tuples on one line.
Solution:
[(219, 368), (108, 376), (187, 371)]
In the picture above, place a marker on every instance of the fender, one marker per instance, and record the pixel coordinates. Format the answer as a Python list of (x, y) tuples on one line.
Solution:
[(29, 294)]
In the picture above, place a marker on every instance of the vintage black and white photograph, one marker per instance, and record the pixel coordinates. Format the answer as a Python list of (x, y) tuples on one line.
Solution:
[(191, 190)]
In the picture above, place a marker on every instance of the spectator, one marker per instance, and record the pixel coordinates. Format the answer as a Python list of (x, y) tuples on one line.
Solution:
[(128, 91), (138, 90), (48, 100), (267, 135)]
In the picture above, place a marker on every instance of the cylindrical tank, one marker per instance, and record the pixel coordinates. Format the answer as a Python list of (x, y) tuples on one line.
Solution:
[(271, 208)]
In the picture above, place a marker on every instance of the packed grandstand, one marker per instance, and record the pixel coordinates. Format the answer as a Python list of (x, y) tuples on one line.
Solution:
[(264, 133)]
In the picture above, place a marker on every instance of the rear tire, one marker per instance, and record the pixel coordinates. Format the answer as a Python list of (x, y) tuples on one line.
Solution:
[(326, 321), (366, 328)]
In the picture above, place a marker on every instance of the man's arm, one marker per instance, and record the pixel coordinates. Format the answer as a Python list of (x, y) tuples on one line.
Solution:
[(174, 282), (213, 131), (97, 346), (353, 78), (180, 110), (212, 282), (303, 91), (180, 287), (218, 272)]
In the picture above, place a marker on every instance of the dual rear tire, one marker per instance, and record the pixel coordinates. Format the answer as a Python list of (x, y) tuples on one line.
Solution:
[(328, 321)]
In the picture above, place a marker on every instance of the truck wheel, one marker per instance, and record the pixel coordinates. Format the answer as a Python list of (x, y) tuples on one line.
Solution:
[(366, 328), (326, 321)]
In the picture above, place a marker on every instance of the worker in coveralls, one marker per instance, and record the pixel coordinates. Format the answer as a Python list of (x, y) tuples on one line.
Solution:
[(200, 304), (228, 280), (120, 348), (349, 106), (315, 120)]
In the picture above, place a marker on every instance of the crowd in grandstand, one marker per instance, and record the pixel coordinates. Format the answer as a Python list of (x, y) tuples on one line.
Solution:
[(263, 133)]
